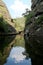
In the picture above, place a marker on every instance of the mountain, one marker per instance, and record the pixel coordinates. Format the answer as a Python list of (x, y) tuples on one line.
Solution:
[(19, 23), (6, 16)]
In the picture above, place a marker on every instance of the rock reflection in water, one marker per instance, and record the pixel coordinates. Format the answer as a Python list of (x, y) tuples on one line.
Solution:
[(5, 47), (11, 52), (34, 48), (20, 52), (16, 56)]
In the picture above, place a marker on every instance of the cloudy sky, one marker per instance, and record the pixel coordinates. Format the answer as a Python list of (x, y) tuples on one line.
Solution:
[(17, 7)]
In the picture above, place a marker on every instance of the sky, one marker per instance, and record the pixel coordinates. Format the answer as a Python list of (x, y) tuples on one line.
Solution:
[(17, 7)]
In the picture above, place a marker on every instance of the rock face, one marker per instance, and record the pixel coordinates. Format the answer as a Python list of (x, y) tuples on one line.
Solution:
[(5, 13), (37, 8), (35, 28), (36, 21)]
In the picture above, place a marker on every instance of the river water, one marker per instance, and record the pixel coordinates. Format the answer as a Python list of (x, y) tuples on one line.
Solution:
[(17, 50)]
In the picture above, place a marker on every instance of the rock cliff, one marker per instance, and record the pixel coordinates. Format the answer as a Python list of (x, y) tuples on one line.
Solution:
[(34, 27), (34, 21), (5, 14)]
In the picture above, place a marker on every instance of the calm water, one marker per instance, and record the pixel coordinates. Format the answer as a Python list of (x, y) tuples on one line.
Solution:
[(20, 50), (16, 56), (12, 52)]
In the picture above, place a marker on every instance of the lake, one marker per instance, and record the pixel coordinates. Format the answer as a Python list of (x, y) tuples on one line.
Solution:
[(20, 50)]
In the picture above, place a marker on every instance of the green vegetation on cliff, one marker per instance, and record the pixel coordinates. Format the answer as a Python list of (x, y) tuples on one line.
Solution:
[(28, 20), (5, 19), (39, 20), (32, 22), (3, 25), (19, 24), (28, 17)]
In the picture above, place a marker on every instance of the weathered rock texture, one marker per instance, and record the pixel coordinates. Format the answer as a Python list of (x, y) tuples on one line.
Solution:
[(35, 22), (5, 13), (37, 8), (34, 30)]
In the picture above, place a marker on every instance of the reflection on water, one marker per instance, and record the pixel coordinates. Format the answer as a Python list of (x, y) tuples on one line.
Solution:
[(12, 49), (21, 50), (19, 41), (17, 58), (5, 47), (34, 47)]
